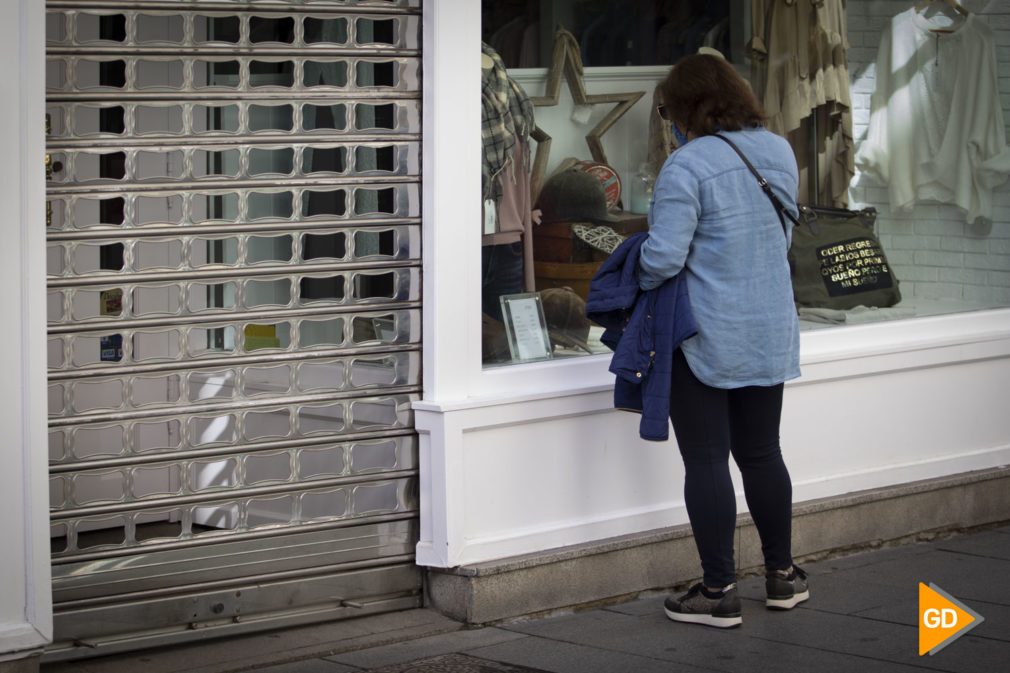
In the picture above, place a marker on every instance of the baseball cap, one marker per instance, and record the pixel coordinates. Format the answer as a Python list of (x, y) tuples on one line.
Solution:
[(573, 195), (565, 314)]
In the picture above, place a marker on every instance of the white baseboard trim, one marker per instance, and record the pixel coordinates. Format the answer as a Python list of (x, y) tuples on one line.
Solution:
[(559, 534)]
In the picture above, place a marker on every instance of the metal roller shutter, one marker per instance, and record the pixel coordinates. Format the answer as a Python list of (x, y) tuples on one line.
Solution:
[(234, 315)]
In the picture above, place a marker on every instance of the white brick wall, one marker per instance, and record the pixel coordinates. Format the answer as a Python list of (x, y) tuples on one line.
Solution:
[(935, 254)]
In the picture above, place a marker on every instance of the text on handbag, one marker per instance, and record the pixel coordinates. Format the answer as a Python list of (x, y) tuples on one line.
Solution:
[(854, 265)]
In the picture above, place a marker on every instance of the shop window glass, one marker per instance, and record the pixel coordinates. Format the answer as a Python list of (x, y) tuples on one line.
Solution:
[(938, 235)]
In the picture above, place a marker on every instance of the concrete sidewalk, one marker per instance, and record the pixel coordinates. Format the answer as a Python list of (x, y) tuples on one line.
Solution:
[(862, 616)]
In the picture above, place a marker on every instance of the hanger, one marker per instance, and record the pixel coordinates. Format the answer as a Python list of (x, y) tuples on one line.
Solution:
[(953, 4)]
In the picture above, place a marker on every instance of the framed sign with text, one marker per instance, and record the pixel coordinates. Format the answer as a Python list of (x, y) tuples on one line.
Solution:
[(525, 327)]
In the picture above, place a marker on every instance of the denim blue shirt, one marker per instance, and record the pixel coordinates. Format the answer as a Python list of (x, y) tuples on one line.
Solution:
[(710, 219)]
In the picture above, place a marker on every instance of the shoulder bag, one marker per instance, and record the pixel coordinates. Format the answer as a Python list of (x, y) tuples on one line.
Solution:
[(835, 259)]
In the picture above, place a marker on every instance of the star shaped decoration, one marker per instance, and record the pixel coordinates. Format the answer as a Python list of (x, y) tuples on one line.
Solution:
[(566, 61)]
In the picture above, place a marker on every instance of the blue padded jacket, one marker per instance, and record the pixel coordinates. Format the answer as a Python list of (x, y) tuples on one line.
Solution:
[(643, 328)]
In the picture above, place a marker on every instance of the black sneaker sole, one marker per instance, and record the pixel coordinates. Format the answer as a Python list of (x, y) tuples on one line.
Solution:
[(720, 622), (787, 603)]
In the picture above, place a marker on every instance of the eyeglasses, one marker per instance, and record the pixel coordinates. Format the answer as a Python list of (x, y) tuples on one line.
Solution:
[(664, 113)]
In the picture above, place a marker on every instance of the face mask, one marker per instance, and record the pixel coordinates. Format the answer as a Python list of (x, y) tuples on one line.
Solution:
[(681, 138)]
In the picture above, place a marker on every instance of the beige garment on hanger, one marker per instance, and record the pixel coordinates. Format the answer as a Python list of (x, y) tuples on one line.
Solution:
[(661, 142), (801, 82)]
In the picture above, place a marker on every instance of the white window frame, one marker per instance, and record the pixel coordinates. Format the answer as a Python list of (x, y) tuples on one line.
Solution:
[(26, 620)]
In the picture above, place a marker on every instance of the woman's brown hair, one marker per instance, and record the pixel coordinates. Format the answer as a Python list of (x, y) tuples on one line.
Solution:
[(706, 95)]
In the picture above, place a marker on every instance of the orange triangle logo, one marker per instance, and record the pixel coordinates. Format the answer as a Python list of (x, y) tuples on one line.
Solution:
[(942, 619)]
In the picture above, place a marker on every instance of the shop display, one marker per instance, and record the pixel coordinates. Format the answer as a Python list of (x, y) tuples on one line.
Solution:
[(602, 237), (936, 125), (570, 198), (565, 313), (506, 124), (610, 32), (526, 327), (661, 141), (607, 176), (801, 77), (642, 184), (535, 324), (573, 195), (566, 61), (507, 119), (494, 341), (838, 263), (583, 193)]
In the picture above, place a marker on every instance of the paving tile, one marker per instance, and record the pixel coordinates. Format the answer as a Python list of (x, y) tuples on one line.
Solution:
[(307, 666), (830, 592), (867, 557), (656, 637), (642, 606), (991, 544), (842, 592), (561, 657), (576, 626), (455, 663), (964, 576), (996, 622), (882, 641), (422, 648)]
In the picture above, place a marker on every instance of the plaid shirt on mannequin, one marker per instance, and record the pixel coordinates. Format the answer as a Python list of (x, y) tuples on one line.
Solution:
[(506, 117)]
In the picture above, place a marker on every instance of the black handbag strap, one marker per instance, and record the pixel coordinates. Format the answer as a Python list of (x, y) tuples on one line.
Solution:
[(765, 187)]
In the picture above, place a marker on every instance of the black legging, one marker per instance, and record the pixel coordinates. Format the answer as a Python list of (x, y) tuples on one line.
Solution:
[(710, 423)]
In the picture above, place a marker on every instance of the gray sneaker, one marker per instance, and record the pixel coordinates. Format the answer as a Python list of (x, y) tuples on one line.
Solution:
[(786, 589), (701, 606)]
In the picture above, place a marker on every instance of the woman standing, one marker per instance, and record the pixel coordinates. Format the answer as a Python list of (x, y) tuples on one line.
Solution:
[(711, 220)]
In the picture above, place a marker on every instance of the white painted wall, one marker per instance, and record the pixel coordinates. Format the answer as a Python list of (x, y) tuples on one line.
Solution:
[(522, 459), (25, 602)]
